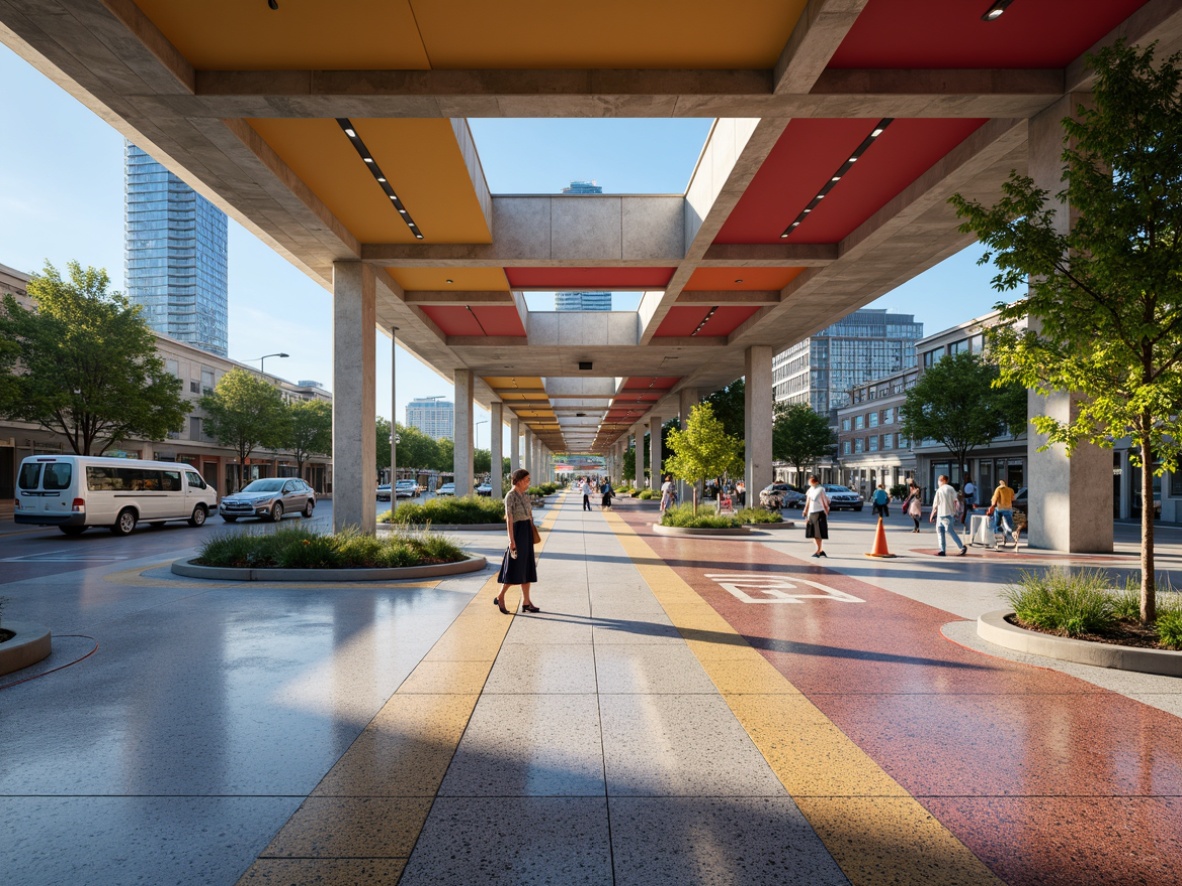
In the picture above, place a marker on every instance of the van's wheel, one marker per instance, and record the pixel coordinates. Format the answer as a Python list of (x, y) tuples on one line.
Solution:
[(309, 508), (72, 530), (124, 523), (276, 512), (199, 515)]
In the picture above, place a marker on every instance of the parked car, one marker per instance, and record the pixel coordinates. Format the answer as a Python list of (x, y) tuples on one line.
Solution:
[(270, 498), (789, 497), (384, 492), (1020, 501), (842, 497), (406, 489), (484, 488), (446, 489)]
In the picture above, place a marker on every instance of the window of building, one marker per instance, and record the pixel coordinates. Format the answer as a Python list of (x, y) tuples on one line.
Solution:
[(845, 424), (903, 442), (194, 428), (888, 441), (888, 415), (873, 419), (174, 368), (959, 347), (977, 343), (932, 357), (207, 381), (859, 422), (859, 445), (874, 443), (846, 447)]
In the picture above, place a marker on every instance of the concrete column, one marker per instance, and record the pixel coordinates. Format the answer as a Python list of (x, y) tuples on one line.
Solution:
[(354, 402), (654, 450), (527, 457), (1068, 497), (464, 432), (496, 445), (757, 419), (687, 400), (514, 444), (393, 417)]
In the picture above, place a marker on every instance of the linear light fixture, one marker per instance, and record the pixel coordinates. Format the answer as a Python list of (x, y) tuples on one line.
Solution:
[(993, 13), (705, 320), (837, 176), (372, 165)]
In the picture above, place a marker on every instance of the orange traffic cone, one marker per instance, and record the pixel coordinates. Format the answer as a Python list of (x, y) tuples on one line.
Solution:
[(880, 544)]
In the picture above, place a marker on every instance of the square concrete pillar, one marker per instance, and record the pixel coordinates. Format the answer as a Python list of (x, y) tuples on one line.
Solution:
[(687, 399), (757, 419), (654, 451), (1068, 498), (354, 402), (527, 456), (463, 432), (496, 445), (393, 416), (514, 444)]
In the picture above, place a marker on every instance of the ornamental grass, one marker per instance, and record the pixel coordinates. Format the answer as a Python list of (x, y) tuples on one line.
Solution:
[(444, 511), (299, 548)]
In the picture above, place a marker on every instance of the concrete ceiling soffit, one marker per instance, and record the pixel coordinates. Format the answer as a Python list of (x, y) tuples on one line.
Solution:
[(1157, 21), (819, 31)]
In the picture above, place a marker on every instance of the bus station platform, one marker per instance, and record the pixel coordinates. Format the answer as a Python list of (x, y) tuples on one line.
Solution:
[(683, 710)]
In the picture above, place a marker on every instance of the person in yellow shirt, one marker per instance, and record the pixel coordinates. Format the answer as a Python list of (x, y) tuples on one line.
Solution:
[(1003, 509)]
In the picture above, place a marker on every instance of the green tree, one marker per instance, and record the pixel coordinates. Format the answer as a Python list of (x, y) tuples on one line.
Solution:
[(960, 403), (629, 467), (415, 449), (381, 445), (445, 457), (481, 461), (800, 436), (1105, 298), (246, 412), (730, 407), (702, 450), (310, 430), (88, 364)]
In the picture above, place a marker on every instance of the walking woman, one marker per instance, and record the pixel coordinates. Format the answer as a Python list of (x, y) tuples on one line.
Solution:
[(912, 505), (816, 512), (518, 566)]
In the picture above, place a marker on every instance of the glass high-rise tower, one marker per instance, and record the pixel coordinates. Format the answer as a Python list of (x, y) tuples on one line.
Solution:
[(174, 255), (583, 301)]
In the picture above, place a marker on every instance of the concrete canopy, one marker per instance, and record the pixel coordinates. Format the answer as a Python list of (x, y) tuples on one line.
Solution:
[(841, 128)]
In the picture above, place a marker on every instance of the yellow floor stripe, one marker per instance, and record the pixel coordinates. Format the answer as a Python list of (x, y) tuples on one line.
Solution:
[(363, 819), (875, 830)]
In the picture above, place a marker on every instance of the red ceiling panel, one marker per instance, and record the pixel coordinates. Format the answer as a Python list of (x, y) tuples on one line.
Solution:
[(727, 319), (453, 319), (613, 279), (740, 279), (681, 321), (657, 384), (951, 34), (499, 320), (807, 155), (482, 320)]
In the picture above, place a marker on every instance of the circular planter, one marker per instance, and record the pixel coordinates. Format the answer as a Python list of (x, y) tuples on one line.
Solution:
[(993, 627), (230, 573), (445, 527), (686, 530), (30, 644)]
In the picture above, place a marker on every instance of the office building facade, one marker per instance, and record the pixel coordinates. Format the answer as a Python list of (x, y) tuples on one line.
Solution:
[(434, 417), (175, 248)]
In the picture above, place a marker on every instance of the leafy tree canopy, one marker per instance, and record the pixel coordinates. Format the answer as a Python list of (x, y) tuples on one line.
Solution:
[(247, 412), (1105, 297), (800, 435), (310, 426), (89, 367), (416, 449), (730, 408), (703, 449)]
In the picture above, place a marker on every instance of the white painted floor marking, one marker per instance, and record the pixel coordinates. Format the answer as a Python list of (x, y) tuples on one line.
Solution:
[(760, 587)]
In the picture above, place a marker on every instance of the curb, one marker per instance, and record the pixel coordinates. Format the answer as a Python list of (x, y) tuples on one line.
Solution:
[(993, 628), (772, 527), (686, 530), (31, 644), (444, 527), (230, 573)]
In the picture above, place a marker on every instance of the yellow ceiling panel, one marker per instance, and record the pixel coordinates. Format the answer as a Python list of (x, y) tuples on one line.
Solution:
[(246, 35), (420, 158), (514, 384), (615, 34), (461, 279)]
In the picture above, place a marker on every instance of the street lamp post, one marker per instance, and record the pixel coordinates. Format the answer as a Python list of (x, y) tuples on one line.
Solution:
[(263, 361)]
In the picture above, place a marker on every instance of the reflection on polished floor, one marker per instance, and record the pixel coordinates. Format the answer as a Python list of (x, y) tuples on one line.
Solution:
[(705, 711)]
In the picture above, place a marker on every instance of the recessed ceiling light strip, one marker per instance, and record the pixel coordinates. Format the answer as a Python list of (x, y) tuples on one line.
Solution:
[(838, 175), (372, 165)]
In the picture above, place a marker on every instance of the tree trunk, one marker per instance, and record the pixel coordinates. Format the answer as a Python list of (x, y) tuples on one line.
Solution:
[(1148, 589)]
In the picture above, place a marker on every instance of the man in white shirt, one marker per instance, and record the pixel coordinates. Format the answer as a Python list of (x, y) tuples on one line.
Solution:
[(944, 511)]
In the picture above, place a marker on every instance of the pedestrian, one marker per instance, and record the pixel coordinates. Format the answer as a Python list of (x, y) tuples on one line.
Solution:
[(741, 493), (519, 566), (913, 503), (607, 492), (969, 494), (816, 515), (880, 502), (944, 515), (667, 493), (586, 484), (1002, 506)]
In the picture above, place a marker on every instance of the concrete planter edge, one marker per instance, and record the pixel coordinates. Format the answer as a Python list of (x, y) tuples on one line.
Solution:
[(226, 573), (32, 643)]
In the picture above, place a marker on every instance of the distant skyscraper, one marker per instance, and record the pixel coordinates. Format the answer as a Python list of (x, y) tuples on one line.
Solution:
[(434, 417), (174, 255), (862, 346), (583, 301)]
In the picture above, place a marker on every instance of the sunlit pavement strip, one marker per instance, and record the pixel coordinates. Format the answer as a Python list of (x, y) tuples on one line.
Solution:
[(874, 829), (363, 819)]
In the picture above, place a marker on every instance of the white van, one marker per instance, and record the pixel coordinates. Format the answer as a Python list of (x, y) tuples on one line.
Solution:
[(73, 492)]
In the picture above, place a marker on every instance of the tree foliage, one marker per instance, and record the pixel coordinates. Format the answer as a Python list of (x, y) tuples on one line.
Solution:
[(730, 407), (800, 436), (246, 412), (88, 364), (959, 403), (629, 466), (416, 449), (1105, 298), (703, 449), (310, 430)]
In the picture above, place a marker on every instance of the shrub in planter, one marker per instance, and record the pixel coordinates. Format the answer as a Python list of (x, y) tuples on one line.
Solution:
[(683, 517), (646, 495), (758, 515), (465, 510), (299, 548), (1064, 603)]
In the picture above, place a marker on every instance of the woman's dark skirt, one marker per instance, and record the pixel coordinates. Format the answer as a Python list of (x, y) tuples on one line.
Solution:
[(522, 570), (817, 525)]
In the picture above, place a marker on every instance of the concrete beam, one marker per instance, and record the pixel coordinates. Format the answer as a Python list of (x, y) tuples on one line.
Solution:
[(819, 31)]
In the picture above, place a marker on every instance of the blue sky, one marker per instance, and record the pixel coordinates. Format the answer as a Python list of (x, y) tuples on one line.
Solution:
[(61, 199)]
